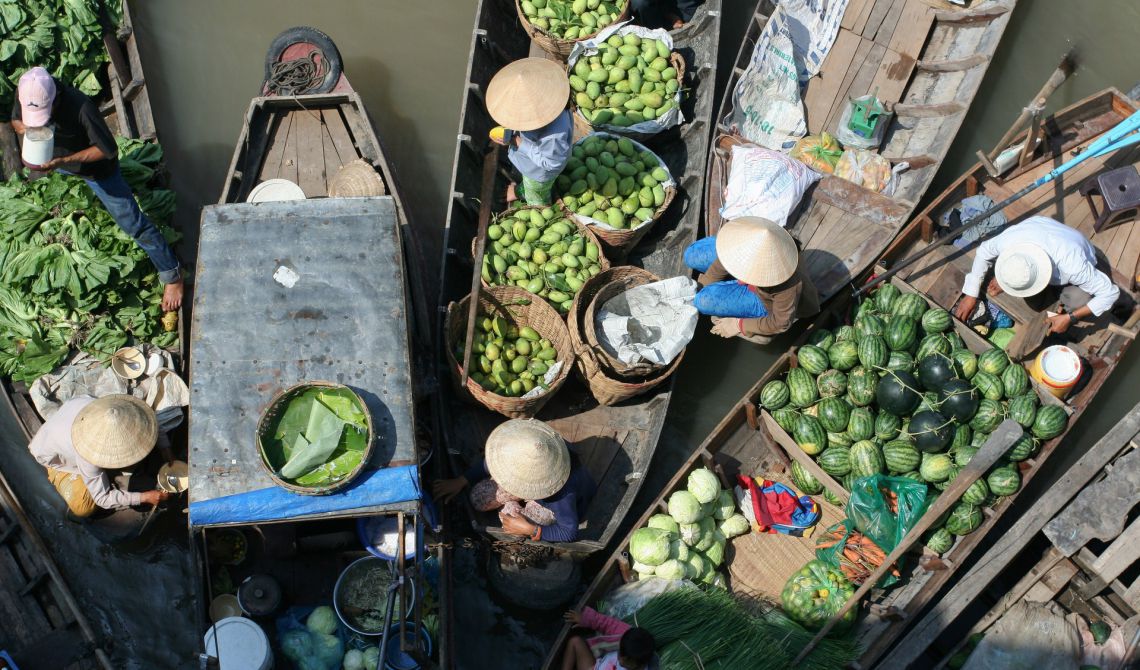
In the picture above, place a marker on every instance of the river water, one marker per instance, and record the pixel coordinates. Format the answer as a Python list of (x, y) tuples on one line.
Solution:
[(204, 61)]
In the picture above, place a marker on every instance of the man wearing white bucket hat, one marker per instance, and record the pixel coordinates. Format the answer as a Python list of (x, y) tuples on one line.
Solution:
[(85, 147), (528, 98), (1034, 260), (529, 475), (753, 285), (87, 443)]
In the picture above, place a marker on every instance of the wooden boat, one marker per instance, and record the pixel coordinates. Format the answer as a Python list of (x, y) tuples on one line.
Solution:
[(615, 443), (930, 63), (1086, 566), (749, 441)]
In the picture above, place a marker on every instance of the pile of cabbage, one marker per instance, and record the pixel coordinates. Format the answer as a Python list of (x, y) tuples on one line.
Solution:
[(317, 646), (688, 542)]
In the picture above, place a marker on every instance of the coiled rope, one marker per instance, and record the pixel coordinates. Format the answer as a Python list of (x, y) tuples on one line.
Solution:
[(298, 76)]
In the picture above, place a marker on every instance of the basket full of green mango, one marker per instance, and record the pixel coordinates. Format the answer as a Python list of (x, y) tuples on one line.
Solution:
[(615, 186), (627, 80), (555, 25)]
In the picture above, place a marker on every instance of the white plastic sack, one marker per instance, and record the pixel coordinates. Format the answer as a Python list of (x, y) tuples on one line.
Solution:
[(589, 47), (652, 323), (667, 184), (766, 183), (626, 599)]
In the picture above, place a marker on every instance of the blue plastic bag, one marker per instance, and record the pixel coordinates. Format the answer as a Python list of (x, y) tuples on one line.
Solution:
[(306, 649)]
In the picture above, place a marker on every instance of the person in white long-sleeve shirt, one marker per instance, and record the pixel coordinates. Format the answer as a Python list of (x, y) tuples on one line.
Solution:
[(1030, 257)]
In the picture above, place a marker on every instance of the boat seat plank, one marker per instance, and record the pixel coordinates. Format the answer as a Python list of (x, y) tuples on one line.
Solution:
[(890, 22), (270, 167), (311, 154)]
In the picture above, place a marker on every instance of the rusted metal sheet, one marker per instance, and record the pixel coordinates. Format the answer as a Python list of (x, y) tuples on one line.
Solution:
[(287, 292)]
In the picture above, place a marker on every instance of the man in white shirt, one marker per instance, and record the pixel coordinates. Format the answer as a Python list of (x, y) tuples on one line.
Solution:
[(1030, 257)]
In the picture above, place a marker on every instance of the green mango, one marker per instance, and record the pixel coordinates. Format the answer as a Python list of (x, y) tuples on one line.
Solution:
[(659, 64), (577, 83), (629, 206), (669, 74), (635, 81), (632, 39), (584, 100), (634, 104), (651, 100), (644, 214), (671, 86), (578, 187), (621, 120), (615, 217), (645, 196), (615, 75), (593, 89), (606, 159), (649, 74), (615, 41), (626, 62), (600, 76), (660, 174), (662, 49), (634, 117), (648, 180), (602, 116), (658, 195), (609, 57), (627, 186), (582, 69), (629, 50), (610, 188)]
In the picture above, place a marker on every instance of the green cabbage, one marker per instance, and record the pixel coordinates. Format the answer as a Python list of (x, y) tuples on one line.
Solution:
[(704, 485), (297, 644), (643, 568), (671, 569), (735, 525), (354, 659), (715, 553), (708, 533), (664, 522), (371, 657), (322, 620), (697, 566), (725, 505), (678, 550), (649, 546), (684, 507)]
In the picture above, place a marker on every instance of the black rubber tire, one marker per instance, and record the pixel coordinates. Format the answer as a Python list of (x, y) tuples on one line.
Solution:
[(312, 35)]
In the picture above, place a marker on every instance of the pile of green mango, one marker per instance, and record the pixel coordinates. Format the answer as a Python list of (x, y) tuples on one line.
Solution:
[(627, 81), (613, 180), (571, 19), (536, 249), (505, 359)]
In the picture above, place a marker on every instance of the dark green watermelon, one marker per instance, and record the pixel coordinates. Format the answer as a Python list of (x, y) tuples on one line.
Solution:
[(833, 414), (901, 333), (959, 401), (897, 392), (934, 371), (931, 431), (831, 383)]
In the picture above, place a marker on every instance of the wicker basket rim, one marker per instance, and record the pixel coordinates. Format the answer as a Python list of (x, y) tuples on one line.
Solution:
[(563, 46)]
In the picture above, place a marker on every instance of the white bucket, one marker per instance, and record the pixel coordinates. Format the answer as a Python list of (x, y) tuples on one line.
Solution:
[(275, 190), (39, 145), (239, 644)]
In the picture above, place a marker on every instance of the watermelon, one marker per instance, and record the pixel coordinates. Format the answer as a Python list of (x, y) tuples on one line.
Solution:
[(786, 418), (1004, 481), (861, 424), (962, 435), (936, 467), (774, 395), (835, 461), (934, 343), (958, 400), (887, 426), (811, 410), (841, 439), (809, 434), (941, 486), (861, 386), (885, 297), (931, 431), (866, 459), (1015, 381), (822, 338), (962, 455), (936, 320), (901, 333), (913, 476), (833, 414), (844, 334), (865, 307), (804, 480), (844, 354), (940, 541), (900, 360), (964, 519), (1050, 422), (955, 340), (901, 456), (873, 351), (988, 385), (988, 416), (832, 498), (849, 481), (977, 493), (1025, 447), (1023, 408), (910, 304), (965, 362), (831, 383), (813, 359), (934, 371), (867, 325), (897, 392), (979, 438), (930, 402), (801, 387), (993, 361)]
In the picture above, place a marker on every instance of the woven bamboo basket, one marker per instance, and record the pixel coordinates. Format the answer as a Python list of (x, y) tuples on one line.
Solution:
[(608, 386), (582, 127), (556, 46), (536, 313), (274, 410)]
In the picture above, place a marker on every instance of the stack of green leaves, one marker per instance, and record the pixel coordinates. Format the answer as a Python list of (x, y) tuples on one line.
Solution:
[(320, 438), (63, 36), (70, 278)]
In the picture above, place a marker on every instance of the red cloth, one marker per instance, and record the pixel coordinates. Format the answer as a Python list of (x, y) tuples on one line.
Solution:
[(770, 508)]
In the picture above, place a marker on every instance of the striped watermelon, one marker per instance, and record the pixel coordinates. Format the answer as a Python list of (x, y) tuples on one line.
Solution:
[(901, 456), (801, 387), (869, 325), (861, 384), (861, 424), (1015, 381), (1025, 447), (936, 320), (913, 476), (962, 455), (1050, 422), (936, 467), (988, 416), (813, 359), (929, 402), (822, 338), (962, 435), (835, 461), (873, 352), (885, 297), (964, 519), (965, 362), (866, 459), (786, 418), (1004, 481), (940, 541), (934, 343), (849, 481), (844, 354), (834, 414), (900, 360), (865, 307), (910, 304), (979, 438), (887, 426), (840, 439), (809, 434), (942, 486), (993, 361), (831, 383), (988, 385), (1023, 408), (774, 395), (955, 340), (832, 498), (845, 334), (804, 480), (901, 333), (977, 493)]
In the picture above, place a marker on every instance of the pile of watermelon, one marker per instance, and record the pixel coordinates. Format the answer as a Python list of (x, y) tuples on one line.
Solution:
[(899, 393)]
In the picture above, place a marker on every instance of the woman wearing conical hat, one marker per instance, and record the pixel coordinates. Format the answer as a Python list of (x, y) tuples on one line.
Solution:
[(753, 285), (529, 475), (528, 100)]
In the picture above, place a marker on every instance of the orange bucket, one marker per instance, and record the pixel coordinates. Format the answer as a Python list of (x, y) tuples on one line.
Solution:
[(1057, 368)]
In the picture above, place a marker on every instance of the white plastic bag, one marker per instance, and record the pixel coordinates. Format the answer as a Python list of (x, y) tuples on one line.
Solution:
[(653, 323), (766, 183), (628, 598)]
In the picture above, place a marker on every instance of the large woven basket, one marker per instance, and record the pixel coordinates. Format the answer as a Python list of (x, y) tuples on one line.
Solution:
[(582, 127), (277, 406), (608, 386), (556, 46), (521, 308)]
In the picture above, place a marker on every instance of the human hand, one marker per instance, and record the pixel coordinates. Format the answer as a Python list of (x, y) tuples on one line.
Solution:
[(172, 296), (994, 288), (516, 525), (51, 165), (511, 194), (155, 497), (725, 327), (573, 617), (446, 489), (1059, 323), (965, 307)]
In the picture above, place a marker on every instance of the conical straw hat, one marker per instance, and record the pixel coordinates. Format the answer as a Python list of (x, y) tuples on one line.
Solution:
[(528, 94), (757, 251), (357, 179), (114, 431), (528, 458)]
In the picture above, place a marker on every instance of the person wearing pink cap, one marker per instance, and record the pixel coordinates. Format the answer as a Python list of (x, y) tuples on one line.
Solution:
[(85, 147)]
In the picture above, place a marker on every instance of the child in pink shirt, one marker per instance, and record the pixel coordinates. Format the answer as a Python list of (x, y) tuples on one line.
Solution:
[(618, 646)]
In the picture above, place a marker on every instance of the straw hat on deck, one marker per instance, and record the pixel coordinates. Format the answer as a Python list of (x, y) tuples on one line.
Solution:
[(528, 459), (757, 251), (528, 94), (1023, 269), (114, 431)]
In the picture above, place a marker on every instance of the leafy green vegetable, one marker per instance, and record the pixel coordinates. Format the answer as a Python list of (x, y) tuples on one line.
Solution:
[(300, 447)]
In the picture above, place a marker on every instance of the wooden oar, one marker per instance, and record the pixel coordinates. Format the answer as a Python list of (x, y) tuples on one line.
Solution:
[(995, 447), (486, 197)]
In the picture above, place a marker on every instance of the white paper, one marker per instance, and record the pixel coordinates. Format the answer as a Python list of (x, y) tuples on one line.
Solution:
[(285, 276), (652, 323)]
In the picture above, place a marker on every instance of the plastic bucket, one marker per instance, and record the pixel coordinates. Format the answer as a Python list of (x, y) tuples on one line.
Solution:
[(39, 144), (395, 659), (1057, 368), (239, 644), (372, 529)]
